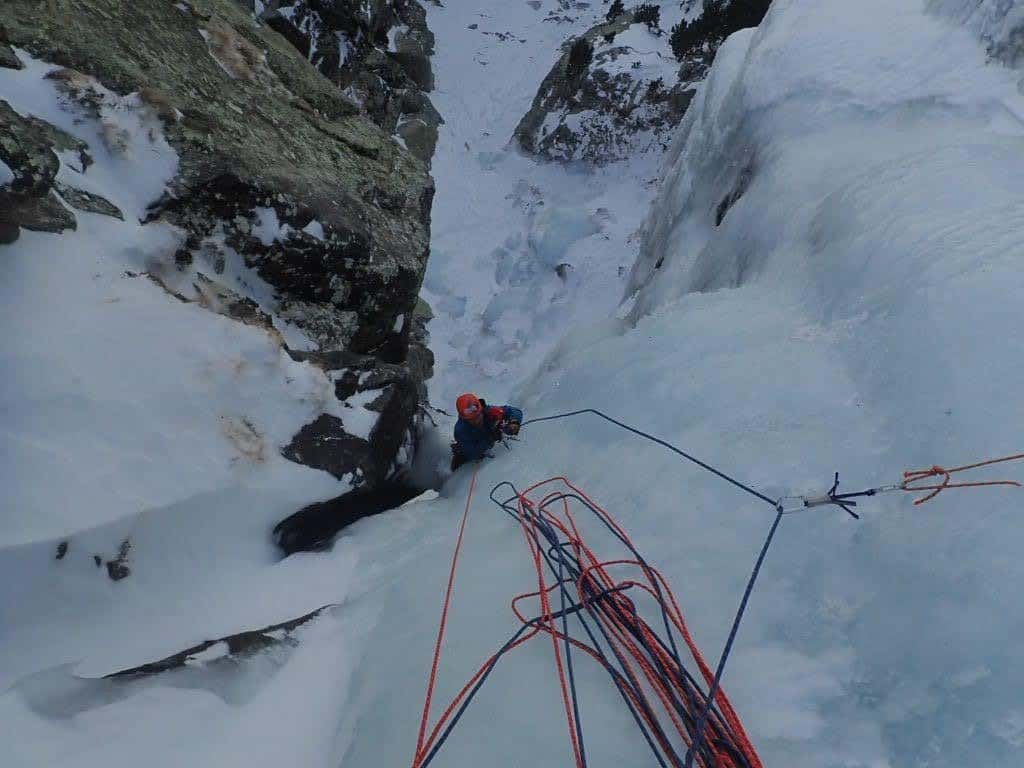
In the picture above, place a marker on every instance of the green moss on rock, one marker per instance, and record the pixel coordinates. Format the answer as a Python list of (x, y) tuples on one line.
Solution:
[(251, 107)]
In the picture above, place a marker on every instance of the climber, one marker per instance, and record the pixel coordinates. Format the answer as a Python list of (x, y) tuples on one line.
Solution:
[(479, 427)]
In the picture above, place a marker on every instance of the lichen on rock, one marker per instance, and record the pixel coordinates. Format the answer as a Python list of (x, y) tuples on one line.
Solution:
[(261, 136)]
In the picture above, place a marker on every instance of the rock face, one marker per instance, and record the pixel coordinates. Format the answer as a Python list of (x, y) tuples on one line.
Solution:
[(621, 87), (618, 100), (280, 172), (33, 198), (377, 51), (695, 42), (8, 58)]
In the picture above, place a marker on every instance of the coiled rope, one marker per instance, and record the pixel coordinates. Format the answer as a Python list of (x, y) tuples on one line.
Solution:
[(638, 659)]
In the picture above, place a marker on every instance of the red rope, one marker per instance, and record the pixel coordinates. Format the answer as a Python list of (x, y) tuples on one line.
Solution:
[(621, 626), (420, 748), (551, 629), (631, 656), (675, 614), (913, 477)]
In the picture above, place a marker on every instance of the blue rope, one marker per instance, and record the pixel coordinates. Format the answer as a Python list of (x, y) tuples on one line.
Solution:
[(774, 504), (710, 727), (702, 723), (698, 741), (723, 734)]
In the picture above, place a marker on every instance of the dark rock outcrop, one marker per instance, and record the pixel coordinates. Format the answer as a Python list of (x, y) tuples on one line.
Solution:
[(695, 43), (235, 646), (324, 444), (419, 358), (8, 59), (603, 102), (29, 199), (118, 567), (397, 389), (89, 202)]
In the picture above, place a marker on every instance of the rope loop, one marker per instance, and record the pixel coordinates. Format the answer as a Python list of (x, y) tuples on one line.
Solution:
[(913, 478), (673, 711)]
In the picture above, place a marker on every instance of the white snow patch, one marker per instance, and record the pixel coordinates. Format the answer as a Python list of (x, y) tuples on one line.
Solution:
[(1011, 729), (345, 48), (314, 228), (393, 35), (359, 421), (971, 676), (639, 38), (423, 497), (216, 651), (268, 227), (6, 174)]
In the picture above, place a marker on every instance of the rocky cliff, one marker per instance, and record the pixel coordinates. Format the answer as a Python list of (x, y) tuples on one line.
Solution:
[(622, 87), (377, 51), (280, 173), (614, 92)]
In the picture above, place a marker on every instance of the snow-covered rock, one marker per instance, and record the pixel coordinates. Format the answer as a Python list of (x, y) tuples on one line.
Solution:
[(620, 89), (999, 24), (27, 195), (231, 649), (623, 96), (377, 52), (8, 58), (706, 25), (292, 214)]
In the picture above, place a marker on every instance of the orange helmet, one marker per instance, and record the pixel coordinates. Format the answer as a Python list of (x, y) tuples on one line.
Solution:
[(468, 406)]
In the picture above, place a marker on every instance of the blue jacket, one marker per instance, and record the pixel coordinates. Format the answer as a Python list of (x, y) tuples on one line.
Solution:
[(474, 441)]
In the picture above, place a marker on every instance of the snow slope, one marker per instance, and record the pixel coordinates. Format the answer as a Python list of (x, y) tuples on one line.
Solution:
[(129, 416), (852, 309), (502, 223)]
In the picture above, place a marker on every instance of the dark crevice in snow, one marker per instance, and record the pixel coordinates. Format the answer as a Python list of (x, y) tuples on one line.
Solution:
[(738, 190), (314, 527), (248, 642)]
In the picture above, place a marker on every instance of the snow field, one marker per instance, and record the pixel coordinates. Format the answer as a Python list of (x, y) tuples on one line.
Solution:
[(129, 416), (502, 223)]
